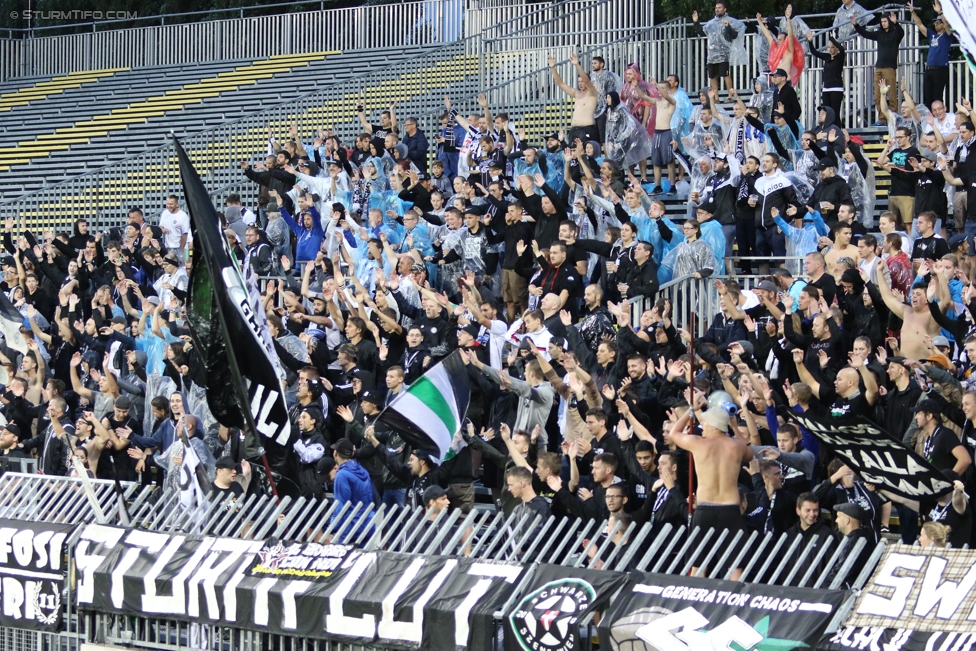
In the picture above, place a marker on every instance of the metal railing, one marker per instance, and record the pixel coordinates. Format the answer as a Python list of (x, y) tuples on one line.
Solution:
[(145, 179), (420, 23), (498, 539), (518, 82), (694, 301)]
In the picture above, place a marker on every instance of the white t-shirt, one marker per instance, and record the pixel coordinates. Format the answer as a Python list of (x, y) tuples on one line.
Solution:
[(176, 224)]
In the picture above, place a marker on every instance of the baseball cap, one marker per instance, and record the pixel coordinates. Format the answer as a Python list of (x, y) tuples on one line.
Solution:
[(928, 406), (118, 319), (850, 509), (430, 456), (226, 463), (123, 403), (940, 341), (370, 396), (956, 241), (423, 176), (767, 285), (720, 156), (418, 268), (940, 360), (553, 136), (472, 329), (823, 164), (344, 447), (13, 429), (897, 359), (432, 493), (779, 72), (928, 154)]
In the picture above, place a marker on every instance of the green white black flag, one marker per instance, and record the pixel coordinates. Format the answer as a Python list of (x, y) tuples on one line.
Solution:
[(430, 412)]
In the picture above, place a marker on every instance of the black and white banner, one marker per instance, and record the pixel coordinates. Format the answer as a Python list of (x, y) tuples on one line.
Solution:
[(674, 613), (32, 571), (877, 457), (547, 615), (399, 599)]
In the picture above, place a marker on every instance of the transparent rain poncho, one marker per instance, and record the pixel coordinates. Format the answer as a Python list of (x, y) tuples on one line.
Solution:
[(762, 99), (681, 118), (627, 140), (721, 49), (804, 190), (842, 20)]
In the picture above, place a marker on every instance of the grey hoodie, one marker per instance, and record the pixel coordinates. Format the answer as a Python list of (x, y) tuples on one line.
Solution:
[(234, 222)]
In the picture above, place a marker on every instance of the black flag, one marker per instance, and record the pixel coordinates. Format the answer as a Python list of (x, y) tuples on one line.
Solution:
[(229, 331)]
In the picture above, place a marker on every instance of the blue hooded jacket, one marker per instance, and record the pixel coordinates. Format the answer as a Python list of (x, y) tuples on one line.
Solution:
[(352, 485)]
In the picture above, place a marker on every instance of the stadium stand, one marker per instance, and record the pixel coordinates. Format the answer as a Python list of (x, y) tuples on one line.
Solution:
[(291, 364)]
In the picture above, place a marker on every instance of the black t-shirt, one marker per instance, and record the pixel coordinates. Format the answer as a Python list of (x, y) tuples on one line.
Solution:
[(930, 248), (902, 187), (379, 131), (853, 405), (970, 186), (220, 494), (565, 277), (938, 448), (960, 525), (827, 286)]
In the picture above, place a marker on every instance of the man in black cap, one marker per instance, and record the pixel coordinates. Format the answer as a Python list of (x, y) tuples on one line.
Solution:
[(227, 482), (785, 99), (939, 445), (718, 197), (421, 471), (901, 398), (417, 188), (829, 193), (435, 501), (9, 435), (849, 517)]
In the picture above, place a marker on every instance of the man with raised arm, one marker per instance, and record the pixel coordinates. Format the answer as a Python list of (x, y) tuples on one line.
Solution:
[(917, 319), (583, 124), (718, 461)]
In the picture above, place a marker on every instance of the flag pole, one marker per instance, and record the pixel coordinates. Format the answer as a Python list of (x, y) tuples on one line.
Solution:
[(237, 379), (691, 457)]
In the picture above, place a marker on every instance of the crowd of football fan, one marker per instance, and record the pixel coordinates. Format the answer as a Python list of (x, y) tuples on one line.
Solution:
[(387, 256)]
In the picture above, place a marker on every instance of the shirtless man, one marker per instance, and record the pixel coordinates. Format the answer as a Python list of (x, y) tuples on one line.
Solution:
[(718, 460), (841, 248), (583, 124), (664, 144), (917, 321)]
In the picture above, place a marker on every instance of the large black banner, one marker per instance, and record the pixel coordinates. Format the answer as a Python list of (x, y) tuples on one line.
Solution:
[(661, 612), (32, 567), (877, 456), (295, 589), (547, 614)]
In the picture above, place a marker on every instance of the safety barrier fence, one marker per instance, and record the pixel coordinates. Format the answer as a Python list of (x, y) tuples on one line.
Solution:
[(420, 84), (176, 39), (509, 67), (312, 574)]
